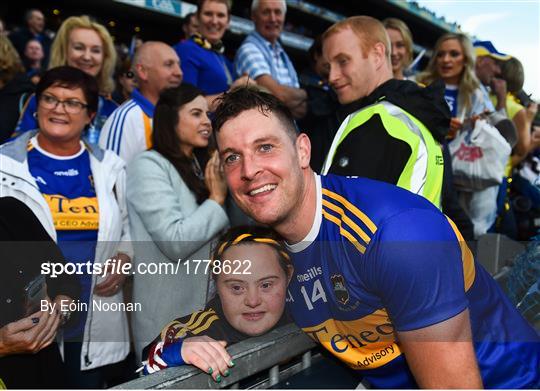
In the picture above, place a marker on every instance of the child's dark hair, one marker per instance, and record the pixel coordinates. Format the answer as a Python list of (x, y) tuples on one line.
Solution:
[(245, 234)]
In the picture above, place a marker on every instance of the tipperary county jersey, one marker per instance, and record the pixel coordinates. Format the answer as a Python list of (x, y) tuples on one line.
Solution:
[(379, 260), (66, 183)]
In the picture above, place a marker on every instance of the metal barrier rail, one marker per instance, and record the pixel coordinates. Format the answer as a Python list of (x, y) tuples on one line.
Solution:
[(250, 356)]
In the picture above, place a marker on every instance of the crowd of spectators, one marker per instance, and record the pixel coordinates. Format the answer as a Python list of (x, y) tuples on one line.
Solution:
[(113, 152)]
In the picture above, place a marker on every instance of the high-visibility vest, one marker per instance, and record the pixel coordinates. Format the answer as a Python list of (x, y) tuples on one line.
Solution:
[(423, 172)]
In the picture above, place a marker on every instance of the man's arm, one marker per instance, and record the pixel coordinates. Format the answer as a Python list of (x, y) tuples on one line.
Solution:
[(294, 98), (442, 355), (422, 274)]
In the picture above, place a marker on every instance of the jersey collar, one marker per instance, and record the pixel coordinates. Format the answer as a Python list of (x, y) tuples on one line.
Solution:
[(315, 227), (146, 106)]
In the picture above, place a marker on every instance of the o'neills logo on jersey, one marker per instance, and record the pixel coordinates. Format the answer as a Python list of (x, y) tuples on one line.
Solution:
[(310, 274), (340, 290), (70, 172)]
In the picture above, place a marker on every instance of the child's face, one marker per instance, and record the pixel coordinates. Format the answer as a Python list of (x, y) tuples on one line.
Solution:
[(252, 303)]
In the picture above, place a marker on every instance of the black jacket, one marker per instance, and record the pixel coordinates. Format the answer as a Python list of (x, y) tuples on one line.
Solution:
[(321, 121), (12, 97), (25, 245), (369, 150), (425, 104)]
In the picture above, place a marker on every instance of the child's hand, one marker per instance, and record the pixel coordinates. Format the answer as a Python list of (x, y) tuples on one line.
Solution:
[(208, 355)]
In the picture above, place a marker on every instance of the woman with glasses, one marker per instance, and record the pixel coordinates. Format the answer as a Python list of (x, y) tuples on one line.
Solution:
[(87, 45), (77, 192), (125, 82)]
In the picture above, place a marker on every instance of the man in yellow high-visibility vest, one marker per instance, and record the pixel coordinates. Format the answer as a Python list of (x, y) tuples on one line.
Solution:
[(394, 128)]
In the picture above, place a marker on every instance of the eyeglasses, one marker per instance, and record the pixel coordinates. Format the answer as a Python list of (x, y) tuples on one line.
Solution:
[(71, 106)]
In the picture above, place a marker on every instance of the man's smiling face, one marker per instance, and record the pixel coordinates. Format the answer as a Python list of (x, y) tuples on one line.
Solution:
[(262, 165)]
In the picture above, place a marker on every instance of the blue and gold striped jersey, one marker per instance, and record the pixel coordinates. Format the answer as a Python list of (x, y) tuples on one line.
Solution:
[(67, 185), (379, 260)]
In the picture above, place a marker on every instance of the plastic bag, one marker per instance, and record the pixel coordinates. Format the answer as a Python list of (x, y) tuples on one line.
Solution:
[(479, 157)]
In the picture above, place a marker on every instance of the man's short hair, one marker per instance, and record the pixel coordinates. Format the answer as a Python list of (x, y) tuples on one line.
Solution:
[(255, 5), (370, 31), (234, 103), (28, 13)]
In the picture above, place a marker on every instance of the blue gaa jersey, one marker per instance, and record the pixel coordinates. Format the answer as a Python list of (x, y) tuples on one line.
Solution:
[(66, 183), (379, 260)]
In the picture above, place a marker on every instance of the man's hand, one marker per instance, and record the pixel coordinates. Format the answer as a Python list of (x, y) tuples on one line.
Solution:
[(30, 334), (243, 81), (498, 86), (442, 355), (114, 281), (208, 355), (294, 98)]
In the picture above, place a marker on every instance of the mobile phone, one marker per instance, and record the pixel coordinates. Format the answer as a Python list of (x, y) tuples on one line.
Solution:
[(34, 292)]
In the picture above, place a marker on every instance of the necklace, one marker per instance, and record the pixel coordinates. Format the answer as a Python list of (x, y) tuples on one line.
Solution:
[(197, 168)]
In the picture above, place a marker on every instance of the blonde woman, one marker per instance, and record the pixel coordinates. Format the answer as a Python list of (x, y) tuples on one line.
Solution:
[(14, 87), (402, 46), (85, 44), (453, 61)]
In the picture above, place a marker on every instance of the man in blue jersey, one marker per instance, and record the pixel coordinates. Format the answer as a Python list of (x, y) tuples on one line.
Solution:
[(382, 278)]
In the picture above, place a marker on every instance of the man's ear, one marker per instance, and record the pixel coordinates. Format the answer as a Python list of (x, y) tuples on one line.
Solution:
[(140, 70), (303, 149), (379, 52)]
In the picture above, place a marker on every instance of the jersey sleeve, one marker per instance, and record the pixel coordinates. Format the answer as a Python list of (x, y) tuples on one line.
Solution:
[(416, 268), (105, 140), (166, 349), (123, 134)]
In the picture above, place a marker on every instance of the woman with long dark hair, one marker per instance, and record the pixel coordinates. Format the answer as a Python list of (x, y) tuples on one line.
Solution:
[(176, 204)]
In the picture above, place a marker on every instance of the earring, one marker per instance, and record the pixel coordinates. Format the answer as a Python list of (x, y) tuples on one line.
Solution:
[(35, 115)]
